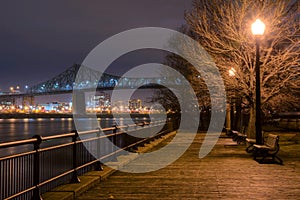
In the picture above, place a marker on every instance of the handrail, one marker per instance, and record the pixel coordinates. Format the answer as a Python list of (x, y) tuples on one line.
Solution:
[(66, 135), (45, 138), (17, 143)]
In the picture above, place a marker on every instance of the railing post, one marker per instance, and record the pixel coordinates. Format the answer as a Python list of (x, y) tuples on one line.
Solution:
[(75, 178), (126, 136), (114, 139), (36, 168), (98, 166)]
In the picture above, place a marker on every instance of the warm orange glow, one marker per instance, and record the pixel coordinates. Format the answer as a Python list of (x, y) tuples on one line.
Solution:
[(232, 72), (258, 27)]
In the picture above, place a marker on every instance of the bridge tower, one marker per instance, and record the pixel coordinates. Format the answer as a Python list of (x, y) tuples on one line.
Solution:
[(28, 100), (78, 104)]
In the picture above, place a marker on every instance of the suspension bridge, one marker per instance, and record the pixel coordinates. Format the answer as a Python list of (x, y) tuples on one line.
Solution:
[(87, 80)]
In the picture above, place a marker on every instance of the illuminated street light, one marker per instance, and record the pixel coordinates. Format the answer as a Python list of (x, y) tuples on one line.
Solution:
[(258, 29), (232, 72)]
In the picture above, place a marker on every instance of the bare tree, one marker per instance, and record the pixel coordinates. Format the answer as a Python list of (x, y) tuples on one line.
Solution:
[(223, 28), (187, 69)]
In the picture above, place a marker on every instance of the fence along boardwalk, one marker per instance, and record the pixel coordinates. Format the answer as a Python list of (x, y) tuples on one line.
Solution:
[(228, 172), (28, 175)]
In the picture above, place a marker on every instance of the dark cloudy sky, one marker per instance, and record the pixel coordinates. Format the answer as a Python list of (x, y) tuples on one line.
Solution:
[(40, 39)]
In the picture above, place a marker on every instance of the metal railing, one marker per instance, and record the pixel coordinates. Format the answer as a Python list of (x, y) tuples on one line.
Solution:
[(30, 174)]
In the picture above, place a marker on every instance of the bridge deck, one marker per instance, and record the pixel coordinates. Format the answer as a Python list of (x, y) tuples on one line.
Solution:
[(228, 172)]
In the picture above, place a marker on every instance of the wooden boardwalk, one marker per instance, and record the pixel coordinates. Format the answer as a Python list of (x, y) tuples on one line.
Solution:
[(228, 172)]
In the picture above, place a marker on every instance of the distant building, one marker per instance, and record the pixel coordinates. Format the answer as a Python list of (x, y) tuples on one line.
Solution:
[(102, 99), (135, 104), (55, 107), (99, 102)]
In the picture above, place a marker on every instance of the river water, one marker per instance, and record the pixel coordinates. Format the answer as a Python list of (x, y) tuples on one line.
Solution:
[(18, 129)]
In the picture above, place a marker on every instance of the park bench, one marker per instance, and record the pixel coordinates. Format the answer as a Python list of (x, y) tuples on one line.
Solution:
[(269, 149), (239, 137), (250, 147)]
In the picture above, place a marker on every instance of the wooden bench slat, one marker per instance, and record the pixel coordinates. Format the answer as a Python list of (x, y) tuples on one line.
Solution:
[(251, 141), (261, 146)]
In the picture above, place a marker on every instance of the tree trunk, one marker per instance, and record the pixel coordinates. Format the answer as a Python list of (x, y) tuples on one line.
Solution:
[(251, 123), (238, 115)]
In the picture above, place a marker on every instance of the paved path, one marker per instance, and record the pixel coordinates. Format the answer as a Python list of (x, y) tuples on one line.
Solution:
[(228, 172)]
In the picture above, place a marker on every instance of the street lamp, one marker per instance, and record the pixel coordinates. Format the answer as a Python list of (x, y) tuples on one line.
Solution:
[(11, 89), (258, 29), (232, 72)]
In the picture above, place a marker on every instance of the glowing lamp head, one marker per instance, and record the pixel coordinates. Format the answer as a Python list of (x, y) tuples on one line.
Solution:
[(258, 27), (232, 72)]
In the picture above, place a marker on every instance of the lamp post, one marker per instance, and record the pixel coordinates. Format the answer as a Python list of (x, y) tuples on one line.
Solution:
[(231, 73), (258, 29)]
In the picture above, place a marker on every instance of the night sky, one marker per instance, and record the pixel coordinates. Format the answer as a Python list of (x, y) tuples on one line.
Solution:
[(40, 39)]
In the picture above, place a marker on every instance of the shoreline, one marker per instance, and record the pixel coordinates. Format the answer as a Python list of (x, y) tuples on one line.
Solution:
[(59, 115)]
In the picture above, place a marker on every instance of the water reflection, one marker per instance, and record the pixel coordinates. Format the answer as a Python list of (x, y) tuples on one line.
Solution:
[(18, 129)]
